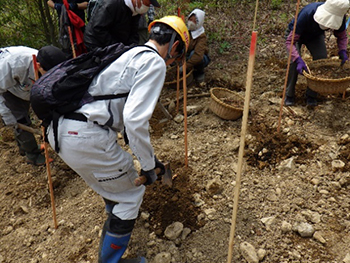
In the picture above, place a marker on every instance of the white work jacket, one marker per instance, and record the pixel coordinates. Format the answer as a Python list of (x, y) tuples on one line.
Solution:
[(141, 72), (16, 73)]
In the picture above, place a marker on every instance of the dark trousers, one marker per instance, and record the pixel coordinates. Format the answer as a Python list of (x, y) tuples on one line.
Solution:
[(20, 109), (318, 50)]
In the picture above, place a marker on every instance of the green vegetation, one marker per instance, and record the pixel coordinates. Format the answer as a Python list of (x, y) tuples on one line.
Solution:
[(276, 4), (27, 23)]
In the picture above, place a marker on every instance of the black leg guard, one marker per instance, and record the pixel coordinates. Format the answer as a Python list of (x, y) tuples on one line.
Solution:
[(114, 239)]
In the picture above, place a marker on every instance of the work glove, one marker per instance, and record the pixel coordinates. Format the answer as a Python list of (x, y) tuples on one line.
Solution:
[(301, 65), (9, 119), (160, 166), (150, 175), (343, 56)]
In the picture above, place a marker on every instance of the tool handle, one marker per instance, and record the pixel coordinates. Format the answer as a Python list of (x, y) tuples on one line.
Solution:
[(142, 179), (28, 129)]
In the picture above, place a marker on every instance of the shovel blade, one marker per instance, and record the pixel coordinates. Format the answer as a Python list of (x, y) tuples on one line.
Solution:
[(167, 177)]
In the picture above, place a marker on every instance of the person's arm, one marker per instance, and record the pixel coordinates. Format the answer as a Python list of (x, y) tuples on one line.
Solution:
[(140, 104), (294, 51), (6, 82), (199, 50), (83, 5), (342, 40)]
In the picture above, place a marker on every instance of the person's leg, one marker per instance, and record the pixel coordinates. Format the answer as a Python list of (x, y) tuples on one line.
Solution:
[(318, 50), (292, 81), (25, 140), (93, 153)]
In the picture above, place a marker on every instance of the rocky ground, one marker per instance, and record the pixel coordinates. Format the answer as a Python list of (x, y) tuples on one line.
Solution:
[(294, 193)]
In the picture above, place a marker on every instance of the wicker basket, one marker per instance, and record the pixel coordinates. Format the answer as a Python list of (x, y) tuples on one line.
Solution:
[(222, 108), (173, 83), (325, 85)]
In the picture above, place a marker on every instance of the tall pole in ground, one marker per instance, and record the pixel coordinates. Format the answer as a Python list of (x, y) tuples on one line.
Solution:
[(288, 66), (243, 133), (48, 168)]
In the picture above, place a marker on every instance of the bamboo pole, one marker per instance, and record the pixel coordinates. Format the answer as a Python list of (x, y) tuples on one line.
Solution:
[(288, 66), (177, 88), (71, 41), (47, 159), (243, 133), (185, 110)]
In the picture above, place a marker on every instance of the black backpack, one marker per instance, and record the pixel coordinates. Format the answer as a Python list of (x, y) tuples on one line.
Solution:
[(64, 88)]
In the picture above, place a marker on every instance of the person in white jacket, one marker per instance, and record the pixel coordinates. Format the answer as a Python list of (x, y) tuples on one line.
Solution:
[(16, 80), (88, 137)]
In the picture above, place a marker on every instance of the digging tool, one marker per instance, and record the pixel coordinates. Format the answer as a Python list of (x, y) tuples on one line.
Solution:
[(164, 110), (166, 177), (28, 129)]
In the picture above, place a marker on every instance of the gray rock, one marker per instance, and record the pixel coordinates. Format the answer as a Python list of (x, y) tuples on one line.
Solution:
[(286, 227), (174, 230), (304, 229), (249, 252)]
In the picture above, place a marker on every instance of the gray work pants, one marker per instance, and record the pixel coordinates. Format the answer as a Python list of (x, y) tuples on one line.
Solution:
[(318, 50)]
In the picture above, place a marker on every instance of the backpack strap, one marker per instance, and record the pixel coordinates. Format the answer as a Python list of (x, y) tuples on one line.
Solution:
[(111, 96), (55, 117)]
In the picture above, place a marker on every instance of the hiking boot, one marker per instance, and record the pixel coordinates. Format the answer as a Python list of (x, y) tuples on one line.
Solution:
[(36, 159), (200, 77), (310, 101), (289, 101), (41, 147), (133, 260)]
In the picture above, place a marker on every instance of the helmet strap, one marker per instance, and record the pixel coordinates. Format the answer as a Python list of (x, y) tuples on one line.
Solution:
[(171, 43)]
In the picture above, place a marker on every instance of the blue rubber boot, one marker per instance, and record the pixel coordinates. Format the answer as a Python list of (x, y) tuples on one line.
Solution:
[(115, 237), (113, 248)]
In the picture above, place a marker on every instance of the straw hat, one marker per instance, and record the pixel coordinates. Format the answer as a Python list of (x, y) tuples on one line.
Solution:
[(331, 13)]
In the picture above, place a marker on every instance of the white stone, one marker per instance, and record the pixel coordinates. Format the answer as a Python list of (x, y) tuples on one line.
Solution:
[(268, 221), (304, 229), (261, 253), (249, 252), (174, 230), (286, 227), (317, 235), (337, 164), (347, 258)]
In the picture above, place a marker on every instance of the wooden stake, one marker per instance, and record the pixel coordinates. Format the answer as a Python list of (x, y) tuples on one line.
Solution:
[(49, 179), (242, 142), (185, 110), (71, 41), (288, 66), (177, 88), (47, 159)]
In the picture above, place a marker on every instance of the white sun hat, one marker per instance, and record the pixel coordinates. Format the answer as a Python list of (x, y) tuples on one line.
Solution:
[(331, 13)]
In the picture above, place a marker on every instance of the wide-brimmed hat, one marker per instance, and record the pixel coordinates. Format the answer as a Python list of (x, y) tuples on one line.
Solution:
[(50, 56), (331, 13)]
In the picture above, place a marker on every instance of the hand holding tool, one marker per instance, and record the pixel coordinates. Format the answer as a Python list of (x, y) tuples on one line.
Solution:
[(166, 177)]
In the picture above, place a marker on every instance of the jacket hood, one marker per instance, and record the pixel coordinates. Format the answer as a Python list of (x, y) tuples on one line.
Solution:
[(199, 15)]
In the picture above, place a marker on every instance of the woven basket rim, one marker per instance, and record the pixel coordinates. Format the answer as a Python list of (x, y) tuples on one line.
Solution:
[(213, 96), (324, 62), (181, 78)]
